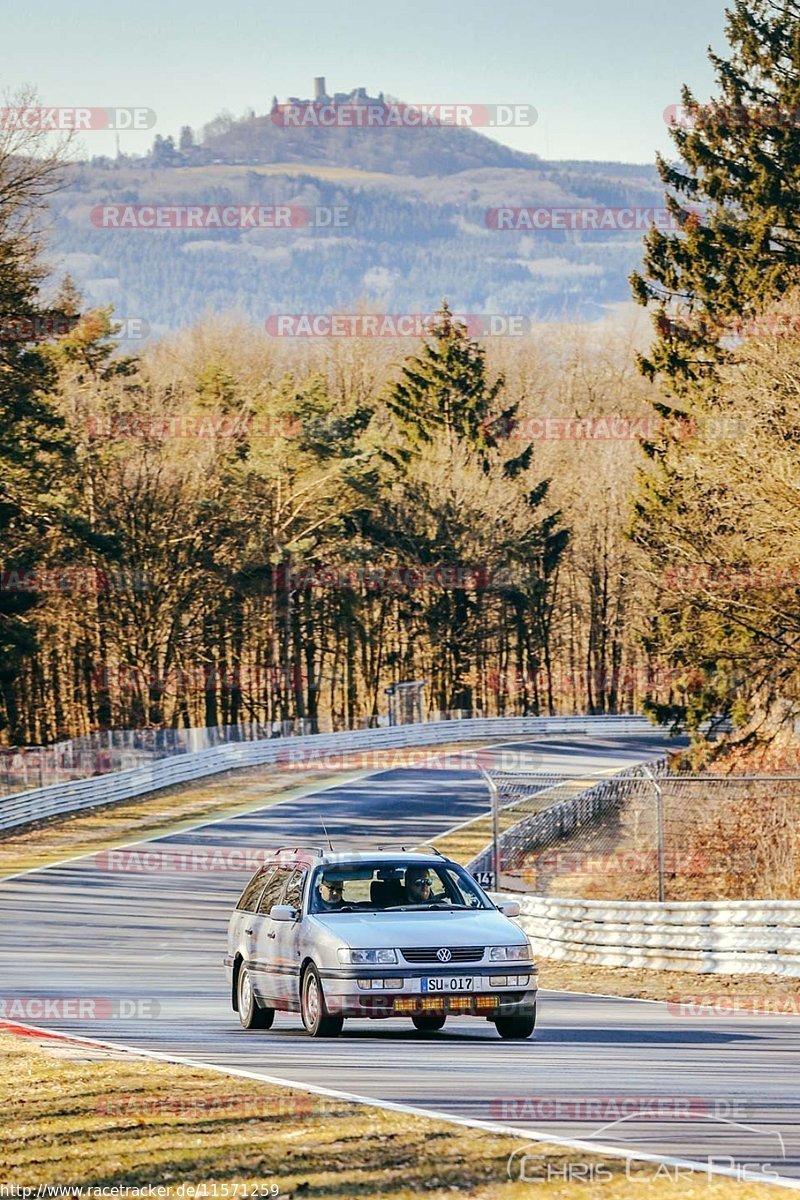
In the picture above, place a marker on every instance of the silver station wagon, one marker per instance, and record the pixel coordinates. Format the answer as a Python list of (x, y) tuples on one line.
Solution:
[(384, 934)]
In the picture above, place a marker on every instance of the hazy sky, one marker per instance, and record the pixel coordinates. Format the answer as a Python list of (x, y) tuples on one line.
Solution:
[(599, 72)]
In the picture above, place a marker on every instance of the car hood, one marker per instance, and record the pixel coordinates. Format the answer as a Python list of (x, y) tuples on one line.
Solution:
[(364, 930)]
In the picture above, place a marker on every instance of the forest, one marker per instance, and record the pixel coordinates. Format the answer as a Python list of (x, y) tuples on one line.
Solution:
[(230, 527)]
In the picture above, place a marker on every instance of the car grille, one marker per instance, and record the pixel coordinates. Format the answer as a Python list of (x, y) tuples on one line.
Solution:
[(429, 954)]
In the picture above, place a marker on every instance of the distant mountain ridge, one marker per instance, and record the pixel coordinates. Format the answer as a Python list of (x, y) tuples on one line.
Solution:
[(419, 198)]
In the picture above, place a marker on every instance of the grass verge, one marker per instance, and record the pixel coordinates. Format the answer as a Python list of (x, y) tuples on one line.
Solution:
[(747, 992), (76, 1116)]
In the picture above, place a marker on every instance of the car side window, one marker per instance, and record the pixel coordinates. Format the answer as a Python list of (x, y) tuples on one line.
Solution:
[(249, 897), (294, 889), (272, 892)]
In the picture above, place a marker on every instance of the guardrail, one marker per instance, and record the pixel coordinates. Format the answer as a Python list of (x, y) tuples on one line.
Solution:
[(23, 768), (726, 937), (292, 753)]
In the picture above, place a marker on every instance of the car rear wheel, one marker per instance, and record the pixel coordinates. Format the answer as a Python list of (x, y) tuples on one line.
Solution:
[(429, 1024), (517, 1026), (316, 1018), (251, 1014)]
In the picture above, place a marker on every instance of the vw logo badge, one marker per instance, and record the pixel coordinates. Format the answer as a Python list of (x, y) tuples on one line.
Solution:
[(444, 955)]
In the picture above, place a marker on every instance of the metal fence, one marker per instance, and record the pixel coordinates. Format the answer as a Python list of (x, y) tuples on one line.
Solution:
[(25, 767), (291, 754), (649, 835), (721, 852)]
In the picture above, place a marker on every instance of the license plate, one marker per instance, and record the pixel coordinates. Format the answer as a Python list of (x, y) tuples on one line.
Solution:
[(447, 983)]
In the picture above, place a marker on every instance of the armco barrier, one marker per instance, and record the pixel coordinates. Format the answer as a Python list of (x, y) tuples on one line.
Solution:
[(725, 937), (24, 807)]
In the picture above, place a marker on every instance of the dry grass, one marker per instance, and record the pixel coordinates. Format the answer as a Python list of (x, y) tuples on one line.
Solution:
[(647, 983), (73, 1116)]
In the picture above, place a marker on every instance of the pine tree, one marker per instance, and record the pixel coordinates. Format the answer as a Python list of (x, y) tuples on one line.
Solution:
[(457, 501), (33, 448), (445, 388), (733, 194)]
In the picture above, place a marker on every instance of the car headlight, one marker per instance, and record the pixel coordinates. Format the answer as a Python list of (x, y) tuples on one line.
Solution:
[(366, 958), (510, 953)]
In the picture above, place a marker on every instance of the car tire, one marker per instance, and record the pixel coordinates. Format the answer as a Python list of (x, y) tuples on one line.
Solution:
[(251, 1014), (316, 1018), (429, 1024), (518, 1026)]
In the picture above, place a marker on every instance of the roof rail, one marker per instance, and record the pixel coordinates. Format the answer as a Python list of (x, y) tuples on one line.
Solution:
[(436, 850), (284, 849), (419, 849)]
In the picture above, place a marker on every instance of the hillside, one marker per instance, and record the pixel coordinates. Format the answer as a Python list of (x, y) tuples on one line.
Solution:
[(441, 151), (417, 229)]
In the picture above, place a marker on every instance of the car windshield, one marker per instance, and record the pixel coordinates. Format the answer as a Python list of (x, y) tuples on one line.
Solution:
[(393, 887)]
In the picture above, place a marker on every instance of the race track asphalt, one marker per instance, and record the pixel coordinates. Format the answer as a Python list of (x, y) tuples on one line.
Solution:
[(687, 1086)]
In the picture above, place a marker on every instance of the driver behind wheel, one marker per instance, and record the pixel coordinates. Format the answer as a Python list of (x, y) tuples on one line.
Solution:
[(329, 893)]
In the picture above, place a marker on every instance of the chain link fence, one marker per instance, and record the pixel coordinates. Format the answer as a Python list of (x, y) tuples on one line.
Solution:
[(646, 835)]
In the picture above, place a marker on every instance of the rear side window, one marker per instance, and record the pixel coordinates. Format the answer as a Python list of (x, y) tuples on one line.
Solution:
[(249, 897), (294, 889), (275, 885)]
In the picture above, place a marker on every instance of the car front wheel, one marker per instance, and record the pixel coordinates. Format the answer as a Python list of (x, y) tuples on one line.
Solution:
[(316, 1018), (251, 1014), (517, 1026)]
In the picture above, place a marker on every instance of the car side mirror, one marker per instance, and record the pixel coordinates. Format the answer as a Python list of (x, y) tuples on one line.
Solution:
[(509, 908), (283, 912)]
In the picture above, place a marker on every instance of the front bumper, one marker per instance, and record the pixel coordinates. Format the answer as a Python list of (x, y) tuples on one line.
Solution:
[(343, 996)]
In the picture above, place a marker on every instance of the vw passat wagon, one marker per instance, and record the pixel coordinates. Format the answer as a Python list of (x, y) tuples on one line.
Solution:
[(377, 935)]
